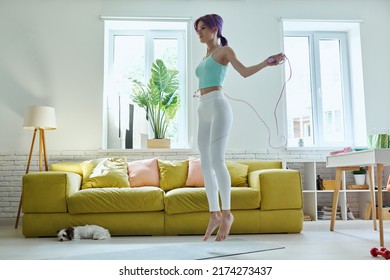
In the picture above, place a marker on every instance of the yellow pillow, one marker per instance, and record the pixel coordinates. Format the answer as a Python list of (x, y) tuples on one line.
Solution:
[(173, 174), (238, 173), (105, 173)]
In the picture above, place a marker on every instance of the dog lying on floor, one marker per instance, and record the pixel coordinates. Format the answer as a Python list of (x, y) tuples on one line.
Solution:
[(83, 232)]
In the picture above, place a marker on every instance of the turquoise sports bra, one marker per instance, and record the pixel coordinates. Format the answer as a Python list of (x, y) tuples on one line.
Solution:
[(210, 73)]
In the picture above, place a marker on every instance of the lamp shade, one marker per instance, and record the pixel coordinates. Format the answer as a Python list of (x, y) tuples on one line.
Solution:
[(40, 117)]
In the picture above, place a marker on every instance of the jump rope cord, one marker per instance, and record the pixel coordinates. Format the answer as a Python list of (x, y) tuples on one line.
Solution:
[(275, 109)]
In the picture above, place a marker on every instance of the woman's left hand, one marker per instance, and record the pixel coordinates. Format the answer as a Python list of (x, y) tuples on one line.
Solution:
[(276, 59)]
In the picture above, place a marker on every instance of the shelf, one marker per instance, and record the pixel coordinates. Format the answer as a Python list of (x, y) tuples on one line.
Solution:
[(354, 199)]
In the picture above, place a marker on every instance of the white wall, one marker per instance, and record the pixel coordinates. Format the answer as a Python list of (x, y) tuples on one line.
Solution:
[(51, 53)]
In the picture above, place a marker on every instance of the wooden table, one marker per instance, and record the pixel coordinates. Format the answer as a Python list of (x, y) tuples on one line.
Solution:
[(372, 159)]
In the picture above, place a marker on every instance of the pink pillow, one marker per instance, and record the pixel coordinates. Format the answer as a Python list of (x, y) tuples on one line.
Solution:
[(195, 174), (144, 173)]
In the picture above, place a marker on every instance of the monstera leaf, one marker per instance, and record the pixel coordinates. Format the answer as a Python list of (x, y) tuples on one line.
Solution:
[(160, 97)]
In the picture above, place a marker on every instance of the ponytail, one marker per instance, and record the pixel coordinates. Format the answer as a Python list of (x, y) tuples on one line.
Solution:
[(224, 41)]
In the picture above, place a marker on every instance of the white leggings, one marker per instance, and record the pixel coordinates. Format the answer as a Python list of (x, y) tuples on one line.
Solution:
[(215, 119)]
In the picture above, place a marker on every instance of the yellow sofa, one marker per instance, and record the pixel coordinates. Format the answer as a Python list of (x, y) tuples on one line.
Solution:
[(271, 203)]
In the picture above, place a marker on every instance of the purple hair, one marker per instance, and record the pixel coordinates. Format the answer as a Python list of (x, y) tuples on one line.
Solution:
[(212, 21)]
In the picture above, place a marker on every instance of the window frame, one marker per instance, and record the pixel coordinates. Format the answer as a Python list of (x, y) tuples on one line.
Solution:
[(314, 38), (151, 31)]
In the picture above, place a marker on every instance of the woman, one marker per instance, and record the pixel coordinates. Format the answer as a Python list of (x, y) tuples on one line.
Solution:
[(215, 118)]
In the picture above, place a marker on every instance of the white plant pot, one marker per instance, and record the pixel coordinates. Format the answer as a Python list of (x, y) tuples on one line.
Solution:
[(360, 179)]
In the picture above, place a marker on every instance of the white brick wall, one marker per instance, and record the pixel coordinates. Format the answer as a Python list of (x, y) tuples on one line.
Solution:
[(13, 166)]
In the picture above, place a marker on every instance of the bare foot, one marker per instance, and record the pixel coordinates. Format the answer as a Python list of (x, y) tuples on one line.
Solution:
[(226, 224), (214, 222)]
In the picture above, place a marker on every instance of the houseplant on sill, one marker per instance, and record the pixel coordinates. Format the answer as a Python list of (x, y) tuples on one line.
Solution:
[(160, 99), (360, 176)]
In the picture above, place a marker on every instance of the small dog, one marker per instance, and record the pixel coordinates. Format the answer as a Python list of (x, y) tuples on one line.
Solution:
[(83, 232)]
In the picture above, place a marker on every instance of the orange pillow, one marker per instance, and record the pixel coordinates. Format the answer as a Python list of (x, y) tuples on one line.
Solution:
[(195, 175), (144, 173)]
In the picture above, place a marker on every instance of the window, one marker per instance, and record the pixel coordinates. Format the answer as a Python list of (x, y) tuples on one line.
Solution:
[(321, 106), (130, 49)]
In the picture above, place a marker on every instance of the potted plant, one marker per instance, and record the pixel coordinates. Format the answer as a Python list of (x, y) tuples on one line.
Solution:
[(160, 99), (360, 176)]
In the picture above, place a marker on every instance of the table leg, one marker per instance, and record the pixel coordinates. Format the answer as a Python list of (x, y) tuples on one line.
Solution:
[(337, 188), (379, 170), (371, 184)]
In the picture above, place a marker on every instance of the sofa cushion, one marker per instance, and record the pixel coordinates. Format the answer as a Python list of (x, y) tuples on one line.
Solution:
[(144, 173), (105, 200), (245, 198), (195, 175), (238, 173), (173, 174), (74, 167), (105, 173), (187, 200)]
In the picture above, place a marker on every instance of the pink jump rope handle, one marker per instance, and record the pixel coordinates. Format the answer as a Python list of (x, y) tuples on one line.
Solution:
[(272, 59)]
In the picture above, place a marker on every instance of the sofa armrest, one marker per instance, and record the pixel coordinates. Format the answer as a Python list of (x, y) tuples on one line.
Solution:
[(47, 191), (279, 188)]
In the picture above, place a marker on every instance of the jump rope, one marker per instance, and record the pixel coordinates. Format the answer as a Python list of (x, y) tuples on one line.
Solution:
[(283, 90)]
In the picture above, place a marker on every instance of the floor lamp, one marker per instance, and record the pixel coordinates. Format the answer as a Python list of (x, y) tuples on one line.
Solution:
[(39, 118)]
